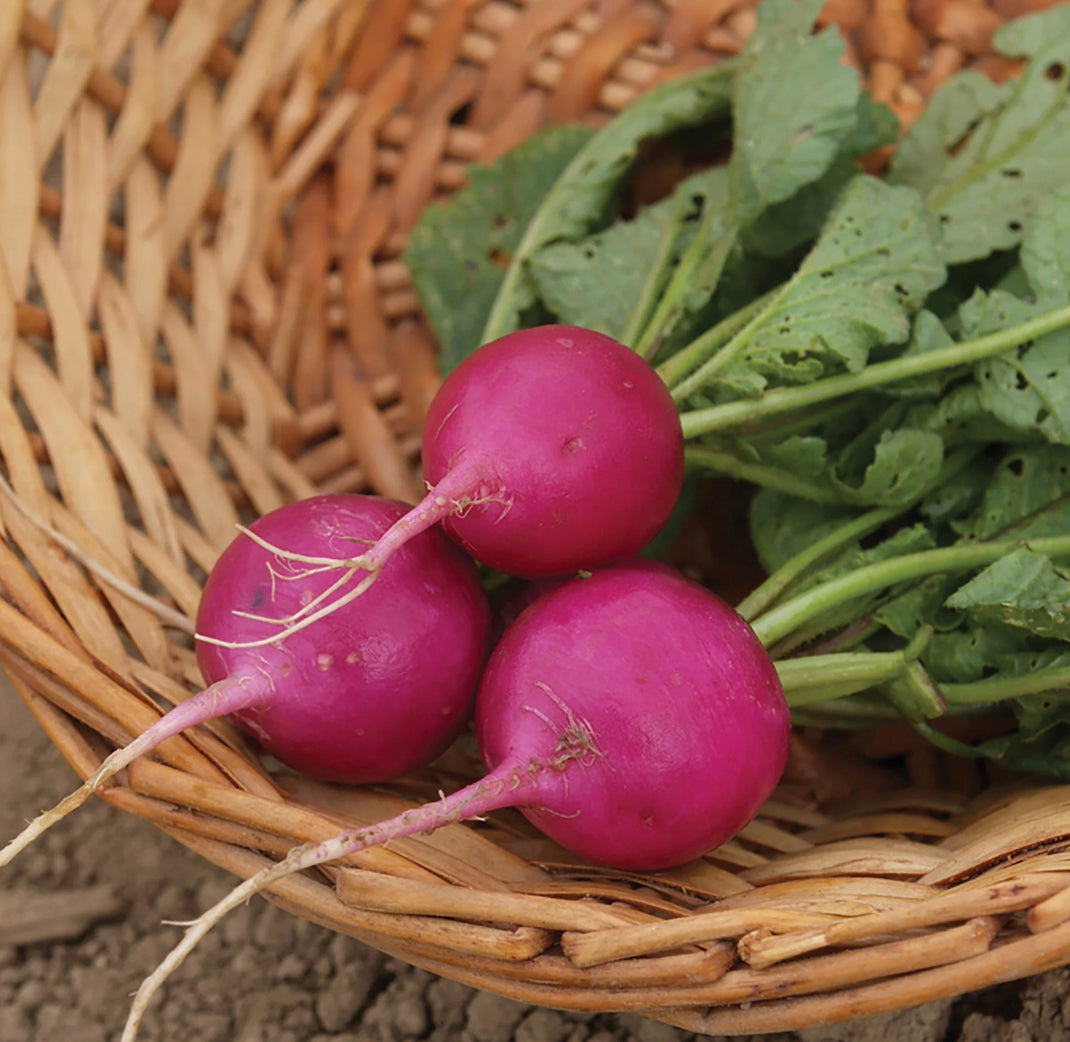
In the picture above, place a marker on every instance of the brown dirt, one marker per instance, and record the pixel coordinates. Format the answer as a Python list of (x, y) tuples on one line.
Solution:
[(265, 976)]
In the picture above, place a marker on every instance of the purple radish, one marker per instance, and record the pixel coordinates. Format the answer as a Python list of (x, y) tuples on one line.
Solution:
[(369, 692), (662, 695), (550, 450), (529, 591), (632, 716)]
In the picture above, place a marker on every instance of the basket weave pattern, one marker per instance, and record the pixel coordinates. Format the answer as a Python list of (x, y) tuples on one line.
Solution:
[(204, 314)]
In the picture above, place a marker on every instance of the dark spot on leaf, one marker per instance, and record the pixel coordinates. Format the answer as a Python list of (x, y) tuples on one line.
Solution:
[(499, 257), (1055, 71), (1011, 171), (1014, 226), (1016, 466)]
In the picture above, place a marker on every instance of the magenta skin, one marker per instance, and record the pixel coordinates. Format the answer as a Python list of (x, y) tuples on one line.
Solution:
[(574, 445), (379, 687), (685, 720)]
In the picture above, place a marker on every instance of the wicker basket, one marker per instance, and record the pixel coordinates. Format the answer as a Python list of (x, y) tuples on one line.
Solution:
[(203, 314)]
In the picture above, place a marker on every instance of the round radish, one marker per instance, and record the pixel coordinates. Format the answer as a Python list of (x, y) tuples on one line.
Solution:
[(528, 591), (368, 692), (632, 716), (645, 720), (552, 449)]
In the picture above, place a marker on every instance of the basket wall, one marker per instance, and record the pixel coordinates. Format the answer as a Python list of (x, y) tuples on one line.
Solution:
[(204, 314)]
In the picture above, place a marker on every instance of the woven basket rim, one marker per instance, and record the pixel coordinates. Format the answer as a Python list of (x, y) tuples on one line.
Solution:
[(204, 313)]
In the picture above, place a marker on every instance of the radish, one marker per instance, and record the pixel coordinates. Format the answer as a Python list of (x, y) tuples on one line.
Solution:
[(632, 716), (529, 591), (550, 450), (368, 693)]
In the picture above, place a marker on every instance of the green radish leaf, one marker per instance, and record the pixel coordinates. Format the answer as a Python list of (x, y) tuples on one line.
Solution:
[(598, 281), (905, 464), (1045, 251), (784, 176), (908, 540), (581, 198), (1027, 389), (985, 155), (927, 334), (458, 250), (893, 468), (1027, 496), (958, 495), (971, 652), (921, 605), (1047, 753), (693, 284), (1030, 389), (1039, 715), (804, 454), (876, 261), (787, 225), (798, 220), (1025, 590), (794, 104), (959, 417), (782, 526)]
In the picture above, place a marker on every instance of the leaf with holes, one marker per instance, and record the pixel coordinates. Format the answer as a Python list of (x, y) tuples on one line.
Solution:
[(874, 264), (1027, 495), (984, 155), (971, 651), (1025, 590), (599, 281), (1028, 388), (794, 104)]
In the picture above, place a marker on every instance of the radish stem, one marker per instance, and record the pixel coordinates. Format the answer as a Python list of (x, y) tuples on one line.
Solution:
[(502, 788), (226, 696), (778, 622), (698, 422)]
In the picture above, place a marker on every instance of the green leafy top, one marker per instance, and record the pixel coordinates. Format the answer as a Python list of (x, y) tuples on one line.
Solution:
[(886, 358), (458, 252), (794, 104), (984, 155), (580, 198)]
